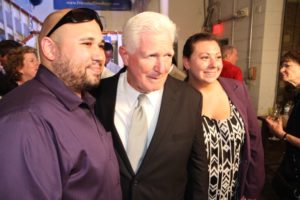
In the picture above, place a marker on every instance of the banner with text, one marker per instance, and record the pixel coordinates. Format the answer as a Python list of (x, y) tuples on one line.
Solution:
[(116, 5)]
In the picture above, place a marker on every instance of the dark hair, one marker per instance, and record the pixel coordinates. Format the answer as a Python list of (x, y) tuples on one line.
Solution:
[(6, 45), (108, 46), (188, 48), (77, 15), (15, 60), (293, 55)]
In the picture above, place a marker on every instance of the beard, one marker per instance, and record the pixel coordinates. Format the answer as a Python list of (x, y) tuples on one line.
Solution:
[(74, 76)]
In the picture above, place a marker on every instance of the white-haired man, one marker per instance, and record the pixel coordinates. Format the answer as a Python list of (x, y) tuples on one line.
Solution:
[(172, 163)]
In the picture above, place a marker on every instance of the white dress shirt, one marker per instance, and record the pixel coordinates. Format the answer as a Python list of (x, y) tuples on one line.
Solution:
[(113, 67), (126, 101)]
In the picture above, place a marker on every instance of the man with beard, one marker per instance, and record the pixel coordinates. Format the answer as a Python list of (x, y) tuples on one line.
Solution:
[(51, 144)]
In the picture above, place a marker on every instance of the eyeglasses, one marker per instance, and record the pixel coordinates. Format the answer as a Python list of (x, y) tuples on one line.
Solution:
[(77, 15)]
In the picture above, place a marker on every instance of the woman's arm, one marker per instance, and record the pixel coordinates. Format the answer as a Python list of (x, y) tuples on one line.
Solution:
[(276, 128)]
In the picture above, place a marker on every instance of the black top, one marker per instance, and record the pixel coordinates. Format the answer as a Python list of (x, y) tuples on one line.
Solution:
[(290, 166), (6, 85)]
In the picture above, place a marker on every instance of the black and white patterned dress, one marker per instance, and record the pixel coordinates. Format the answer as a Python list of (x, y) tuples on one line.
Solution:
[(223, 140)]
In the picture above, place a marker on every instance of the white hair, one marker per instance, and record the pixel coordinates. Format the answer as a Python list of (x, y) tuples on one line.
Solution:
[(146, 22)]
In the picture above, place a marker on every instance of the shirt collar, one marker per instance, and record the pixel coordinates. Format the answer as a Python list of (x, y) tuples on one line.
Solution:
[(132, 94), (66, 96)]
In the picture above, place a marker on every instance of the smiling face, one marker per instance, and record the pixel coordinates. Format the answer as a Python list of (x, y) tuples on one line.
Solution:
[(148, 66), (79, 58), (290, 71), (205, 63)]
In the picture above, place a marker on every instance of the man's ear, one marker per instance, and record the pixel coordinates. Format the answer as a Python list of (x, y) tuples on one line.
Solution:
[(124, 54), (49, 48), (185, 62)]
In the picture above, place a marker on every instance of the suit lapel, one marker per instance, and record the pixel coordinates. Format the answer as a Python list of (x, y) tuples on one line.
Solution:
[(230, 89), (167, 110), (233, 90), (108, 98)]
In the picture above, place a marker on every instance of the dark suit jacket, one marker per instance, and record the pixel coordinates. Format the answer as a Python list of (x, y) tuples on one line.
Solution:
[(252, 173), (175, 165)]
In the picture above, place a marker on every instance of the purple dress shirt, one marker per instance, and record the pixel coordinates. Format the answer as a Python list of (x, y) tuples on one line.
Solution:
[(52, 146)]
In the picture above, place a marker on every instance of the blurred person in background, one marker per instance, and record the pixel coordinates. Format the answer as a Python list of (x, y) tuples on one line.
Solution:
[(109, 54), (286, 181), (5, 47), (21, 65), (230, 58), (231, 131), (176, 72)]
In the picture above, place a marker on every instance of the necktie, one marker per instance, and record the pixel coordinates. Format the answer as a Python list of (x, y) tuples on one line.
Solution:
[(137, 135)]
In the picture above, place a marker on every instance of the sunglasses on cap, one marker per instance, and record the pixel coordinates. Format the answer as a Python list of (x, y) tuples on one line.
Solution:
[(77, 15)]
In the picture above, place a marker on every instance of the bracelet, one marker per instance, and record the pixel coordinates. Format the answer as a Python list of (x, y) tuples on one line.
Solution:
[(284, 136)]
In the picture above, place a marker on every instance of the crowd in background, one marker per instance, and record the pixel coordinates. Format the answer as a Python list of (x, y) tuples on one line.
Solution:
[(19, 64)]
